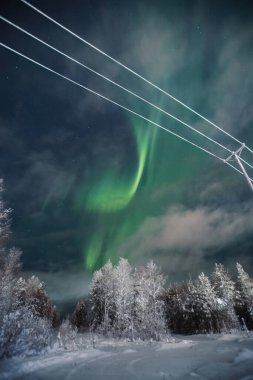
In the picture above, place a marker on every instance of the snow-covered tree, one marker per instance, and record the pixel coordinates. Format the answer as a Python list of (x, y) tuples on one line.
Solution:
[(66, 335), (9, 268), (79, 317), (244, 296), (179, 302), (4, 221), (224, 288), (23, 332), (32, 292), (149, 308), (102, 297), (206, 304), (128, 304), (123, 298), (23, 326), (191, 306), (111, 294), (9, 264)]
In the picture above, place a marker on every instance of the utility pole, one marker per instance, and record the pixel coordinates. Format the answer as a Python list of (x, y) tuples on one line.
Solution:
[(237, 157)]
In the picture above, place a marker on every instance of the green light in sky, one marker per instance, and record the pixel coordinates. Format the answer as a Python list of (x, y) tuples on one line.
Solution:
[(115, 190), (113, 193), (92, 252), (120, 198)]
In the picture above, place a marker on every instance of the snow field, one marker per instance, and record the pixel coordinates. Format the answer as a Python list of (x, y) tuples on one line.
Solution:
[(224, 357)]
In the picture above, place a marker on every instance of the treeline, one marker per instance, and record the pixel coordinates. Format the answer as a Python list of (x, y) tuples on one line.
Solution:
[(210, 304), (128, 303), (135, 303), (27, 316)]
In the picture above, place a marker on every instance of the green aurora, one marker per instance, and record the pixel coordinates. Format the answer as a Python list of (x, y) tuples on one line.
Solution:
[(117, 197)]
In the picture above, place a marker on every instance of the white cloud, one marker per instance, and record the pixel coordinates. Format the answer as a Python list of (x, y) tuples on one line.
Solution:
[(231, 93), (194, 231), (64, 286)]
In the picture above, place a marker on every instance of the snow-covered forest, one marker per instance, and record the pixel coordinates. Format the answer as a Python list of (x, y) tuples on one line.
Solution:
[(136, 303), (124, 302)]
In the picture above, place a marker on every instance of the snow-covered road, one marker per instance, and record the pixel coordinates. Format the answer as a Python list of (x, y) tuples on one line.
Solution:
[(194, 357)]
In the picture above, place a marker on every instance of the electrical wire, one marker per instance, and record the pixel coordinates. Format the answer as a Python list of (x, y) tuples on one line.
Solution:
[(108, 99), (132, 71), (120, 105), (114, 83)]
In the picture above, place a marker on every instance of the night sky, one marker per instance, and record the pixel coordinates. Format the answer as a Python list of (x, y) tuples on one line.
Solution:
[(88, 181)]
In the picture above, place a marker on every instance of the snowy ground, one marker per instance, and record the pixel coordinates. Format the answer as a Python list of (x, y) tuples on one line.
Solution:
[(191, 357)]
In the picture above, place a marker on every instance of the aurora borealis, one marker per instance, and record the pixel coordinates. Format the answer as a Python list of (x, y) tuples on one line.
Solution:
[(86, 180)]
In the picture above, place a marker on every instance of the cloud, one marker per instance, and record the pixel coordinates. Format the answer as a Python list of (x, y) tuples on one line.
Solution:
[(64, 286), (193, 231), (153, 47), (54, 179), (212, 75), (231, 92)]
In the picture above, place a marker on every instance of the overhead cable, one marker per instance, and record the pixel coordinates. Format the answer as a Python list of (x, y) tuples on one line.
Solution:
[(114, 83), (109, 100), (132, 71)]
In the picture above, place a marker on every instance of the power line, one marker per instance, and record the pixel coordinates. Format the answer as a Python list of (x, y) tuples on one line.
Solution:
[(113, 82), (132, 71), (119, 105), (251, 166), (235, 168), (108, 99)]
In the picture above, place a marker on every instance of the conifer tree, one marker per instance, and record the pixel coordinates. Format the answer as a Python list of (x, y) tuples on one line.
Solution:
[(180, 311), (32, 293), (224, 288), (205, 305), (4, 221), (79, 318), (244, 296), (23, 328)]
